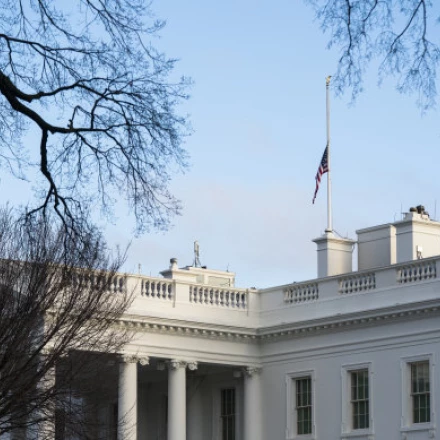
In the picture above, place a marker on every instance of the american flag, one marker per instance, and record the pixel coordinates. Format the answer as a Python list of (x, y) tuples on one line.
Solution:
[(323, 168)]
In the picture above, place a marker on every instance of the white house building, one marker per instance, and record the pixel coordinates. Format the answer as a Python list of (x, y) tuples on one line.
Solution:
[(348, 355)]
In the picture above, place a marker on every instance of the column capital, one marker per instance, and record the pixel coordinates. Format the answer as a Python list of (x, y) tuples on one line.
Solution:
[(251, 371), (144, 360), (174, 364), (133, 358), (192, 366)]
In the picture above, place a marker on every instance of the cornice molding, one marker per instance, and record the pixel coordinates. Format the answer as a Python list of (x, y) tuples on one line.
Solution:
[(337, 323), (201, 330), (348, 322)]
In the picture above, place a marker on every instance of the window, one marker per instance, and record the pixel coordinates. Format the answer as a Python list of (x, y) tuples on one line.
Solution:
[(300, 416), (360, 404), (357, 400), (228, 413), (303, 392), (420, 392), (418, 406)]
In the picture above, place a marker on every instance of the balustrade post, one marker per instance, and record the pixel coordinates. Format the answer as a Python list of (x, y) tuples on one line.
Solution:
[(436, 267)]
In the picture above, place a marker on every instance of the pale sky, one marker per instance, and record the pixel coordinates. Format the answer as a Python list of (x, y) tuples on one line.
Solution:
[(257, 109), (258, 112)]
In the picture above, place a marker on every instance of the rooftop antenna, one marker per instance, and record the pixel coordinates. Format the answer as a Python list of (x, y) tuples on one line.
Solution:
[(435, 209), (196, 262)]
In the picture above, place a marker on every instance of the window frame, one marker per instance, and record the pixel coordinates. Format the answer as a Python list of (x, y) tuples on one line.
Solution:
[(347, 428), (407, 400), (292, 414), (216, 407), (416, 394), (361, 399)]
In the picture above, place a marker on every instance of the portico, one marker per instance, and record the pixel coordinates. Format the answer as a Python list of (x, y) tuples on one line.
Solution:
[(188, 399)]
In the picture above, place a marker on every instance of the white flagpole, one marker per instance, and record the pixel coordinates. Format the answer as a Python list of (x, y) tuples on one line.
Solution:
[(329, 182)]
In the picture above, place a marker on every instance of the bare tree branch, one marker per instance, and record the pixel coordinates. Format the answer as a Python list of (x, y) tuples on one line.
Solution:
[(59, 299), (400, 35), (85, 75)]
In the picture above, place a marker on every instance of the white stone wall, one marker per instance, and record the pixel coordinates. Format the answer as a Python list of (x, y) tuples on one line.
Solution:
[(384, 348)]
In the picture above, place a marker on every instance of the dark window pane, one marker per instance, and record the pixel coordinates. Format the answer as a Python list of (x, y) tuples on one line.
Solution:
[(420, 392), (227, 415), (360, 399), (303, 405)]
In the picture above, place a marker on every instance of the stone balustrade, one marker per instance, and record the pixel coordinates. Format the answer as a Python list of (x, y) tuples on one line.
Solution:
[(299, 293), (160, 289), (417, 271), (116, 284), (179, 298), (357, 283), (217, 296)]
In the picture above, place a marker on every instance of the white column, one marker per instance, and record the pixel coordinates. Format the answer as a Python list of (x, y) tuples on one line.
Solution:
[(253, 415), (46, 428), (176, 400), (194, 416), (127, 396)]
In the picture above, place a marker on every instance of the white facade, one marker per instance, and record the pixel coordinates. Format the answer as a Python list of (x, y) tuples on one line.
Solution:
[(210, 361)]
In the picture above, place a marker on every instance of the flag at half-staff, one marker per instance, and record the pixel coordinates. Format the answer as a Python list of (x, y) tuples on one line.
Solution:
[(324, 166), (322, 169)]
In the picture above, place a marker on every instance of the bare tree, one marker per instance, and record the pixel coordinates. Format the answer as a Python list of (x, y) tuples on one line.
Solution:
[(59, 300), (81, 80), (400, 35)]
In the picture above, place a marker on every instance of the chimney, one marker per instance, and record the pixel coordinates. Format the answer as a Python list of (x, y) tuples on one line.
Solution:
[(334, 255), (417, 236)]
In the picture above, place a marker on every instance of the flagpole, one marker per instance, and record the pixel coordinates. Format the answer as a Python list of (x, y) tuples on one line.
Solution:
[(329, 181)]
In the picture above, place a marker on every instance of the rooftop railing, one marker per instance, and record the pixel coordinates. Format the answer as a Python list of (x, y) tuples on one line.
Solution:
[(362, 281), (177, 299), (163, 290)]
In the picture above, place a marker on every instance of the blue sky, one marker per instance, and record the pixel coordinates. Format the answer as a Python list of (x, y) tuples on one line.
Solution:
[(258, 112), (257, 109)]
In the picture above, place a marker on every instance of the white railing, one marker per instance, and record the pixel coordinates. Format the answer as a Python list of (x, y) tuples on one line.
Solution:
[(160, 289), (298, 293), (418, 271), (357, 283), (217, 296), (117, 283), (360, 282)]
